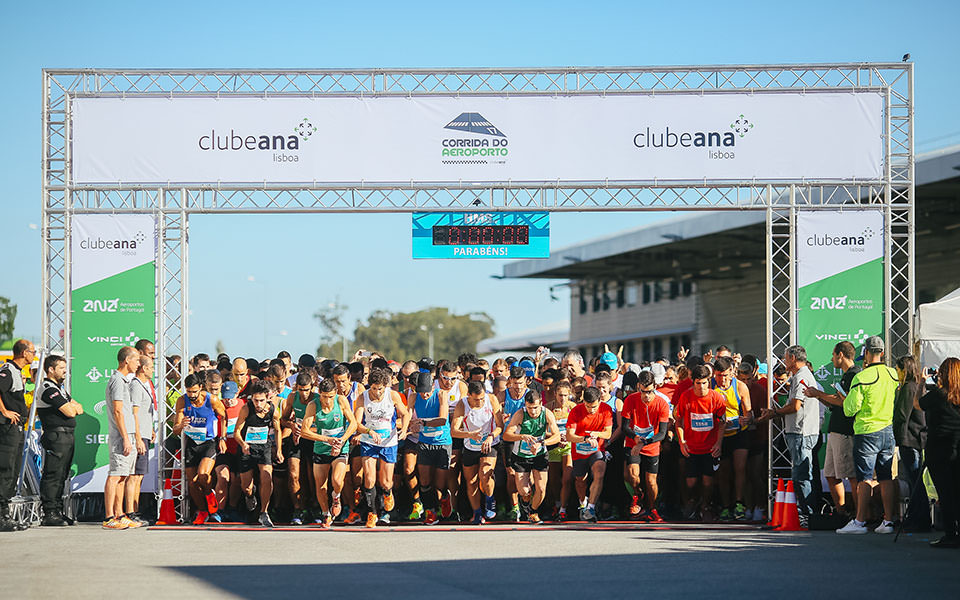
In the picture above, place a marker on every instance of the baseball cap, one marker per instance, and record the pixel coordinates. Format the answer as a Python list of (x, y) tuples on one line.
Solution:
[(229, 389), (629, 381), (610, 359), (762, 369), (426, 364), (659, 372), (874, 343), (329, 364), (424, 383), (307, 360), (528, 367)]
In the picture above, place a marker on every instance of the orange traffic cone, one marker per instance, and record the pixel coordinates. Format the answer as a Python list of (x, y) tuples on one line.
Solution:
[(777, 517), (168, 514), (791, 516)]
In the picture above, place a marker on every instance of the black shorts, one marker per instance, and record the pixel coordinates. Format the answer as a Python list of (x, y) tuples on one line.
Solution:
[(541, 462), (434, 455), (408, 447), (290, 449), (231, 460), (701, 465), (583, 466), (737, 441), (260, 454), (354, 450), (471, 458), (506, 454), (194, 452), (142, 466), (457, 444), (326, 459), (648, 464)]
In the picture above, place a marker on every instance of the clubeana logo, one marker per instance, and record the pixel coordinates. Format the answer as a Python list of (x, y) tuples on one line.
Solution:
[(278, 143), (491, 143), (677, 139), (99, 243), (841, 240)]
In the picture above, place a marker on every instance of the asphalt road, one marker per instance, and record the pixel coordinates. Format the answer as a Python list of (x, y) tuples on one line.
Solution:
[(495, 562)]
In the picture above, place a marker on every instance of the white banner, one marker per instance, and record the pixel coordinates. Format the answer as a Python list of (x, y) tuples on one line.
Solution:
[(830, 242), (668, 137)]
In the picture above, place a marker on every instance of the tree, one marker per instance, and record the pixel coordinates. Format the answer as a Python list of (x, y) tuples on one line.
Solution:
[(402, 336), (8, 314), (332, 330)]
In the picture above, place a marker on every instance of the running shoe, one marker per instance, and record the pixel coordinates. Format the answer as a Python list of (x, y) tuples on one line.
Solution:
[(317, 516), (653, 517), (431, 518), (135, 517), (251, 502), (389, 502), (534, 518), (215, 518), (212, 506), (352, 518), (265, 520), (327, 521), (562, 515), (885, 527), (446, 506), (490, 507), (635, 507), (513, 515), (371, 520), (336, 507), (130, 523), (588, 514), (477, 517), (113, 523), (853, 528), (202, 517), (385, 518), (296, 520), (740, 511), (417, 513)]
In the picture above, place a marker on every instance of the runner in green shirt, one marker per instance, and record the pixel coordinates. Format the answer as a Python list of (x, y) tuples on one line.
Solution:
[(329, 423)]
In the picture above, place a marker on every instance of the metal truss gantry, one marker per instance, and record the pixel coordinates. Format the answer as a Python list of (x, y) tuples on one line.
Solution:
[(893, 193)]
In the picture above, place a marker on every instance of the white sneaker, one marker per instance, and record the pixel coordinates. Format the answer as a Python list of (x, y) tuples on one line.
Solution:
[(853, 527), (885, 527)]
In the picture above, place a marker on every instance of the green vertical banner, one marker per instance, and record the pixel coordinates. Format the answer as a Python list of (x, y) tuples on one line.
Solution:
[(112, 304), (840, 284)]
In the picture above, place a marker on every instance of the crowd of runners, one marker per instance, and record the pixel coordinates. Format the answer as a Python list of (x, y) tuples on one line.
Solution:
[(530, 439)]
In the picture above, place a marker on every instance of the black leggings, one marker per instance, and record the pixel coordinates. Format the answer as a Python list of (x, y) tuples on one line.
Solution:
[(946, 476)]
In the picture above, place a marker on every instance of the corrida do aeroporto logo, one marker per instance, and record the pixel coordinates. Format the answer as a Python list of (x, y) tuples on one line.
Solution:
[(490, 143)]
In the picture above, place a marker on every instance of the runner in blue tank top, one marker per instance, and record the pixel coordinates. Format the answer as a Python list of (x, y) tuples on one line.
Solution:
[(434, 447), (199, 418)]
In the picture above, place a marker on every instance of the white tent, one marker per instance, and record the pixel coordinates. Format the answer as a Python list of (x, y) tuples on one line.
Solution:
[(938, 329)]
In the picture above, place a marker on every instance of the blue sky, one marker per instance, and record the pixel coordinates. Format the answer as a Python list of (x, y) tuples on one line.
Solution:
[(286, 255)]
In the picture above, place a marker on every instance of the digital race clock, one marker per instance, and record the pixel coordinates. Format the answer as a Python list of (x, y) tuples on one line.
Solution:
[(481, 235)]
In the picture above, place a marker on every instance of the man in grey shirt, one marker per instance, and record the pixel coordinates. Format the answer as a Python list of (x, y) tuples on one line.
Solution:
[(144, 398), (123, 439), (801, 426)]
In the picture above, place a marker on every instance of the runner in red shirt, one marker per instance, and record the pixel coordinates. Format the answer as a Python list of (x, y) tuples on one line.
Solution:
[(589, 425), (700, 415), (644, 421)]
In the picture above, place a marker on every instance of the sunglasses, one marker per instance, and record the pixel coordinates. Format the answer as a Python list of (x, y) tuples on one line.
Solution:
[(445, 378)]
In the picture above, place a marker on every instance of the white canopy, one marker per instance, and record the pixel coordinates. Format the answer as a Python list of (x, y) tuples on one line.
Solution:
[(938, 329)]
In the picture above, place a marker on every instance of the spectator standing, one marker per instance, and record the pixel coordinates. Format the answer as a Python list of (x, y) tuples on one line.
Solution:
[(57, 412), (801, 427), (941, 407), (910, 433), (144, 397), (870, 402), (123, 439), (13, 416)]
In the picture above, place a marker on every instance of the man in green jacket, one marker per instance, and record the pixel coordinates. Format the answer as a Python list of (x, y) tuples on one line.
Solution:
[(870, 403)]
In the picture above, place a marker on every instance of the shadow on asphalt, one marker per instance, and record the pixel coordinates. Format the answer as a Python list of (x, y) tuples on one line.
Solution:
[(771, 567)]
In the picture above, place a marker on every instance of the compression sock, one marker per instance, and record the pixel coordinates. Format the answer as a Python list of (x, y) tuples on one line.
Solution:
[(370, 494)]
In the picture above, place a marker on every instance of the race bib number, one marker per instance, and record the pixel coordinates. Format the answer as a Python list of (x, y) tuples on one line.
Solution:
[(197, 434), (586, 448), (431, 431), (335, 432), (383, 433), (231, 425), (701, 422), (733, 423), (257, 435), (524, 448), (643, 432)]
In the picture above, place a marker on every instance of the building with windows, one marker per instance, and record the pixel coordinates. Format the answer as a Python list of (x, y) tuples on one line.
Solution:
[(699, 280)]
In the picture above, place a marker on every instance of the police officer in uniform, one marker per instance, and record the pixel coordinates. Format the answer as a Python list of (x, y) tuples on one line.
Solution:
[(57, 412), (13, 416)]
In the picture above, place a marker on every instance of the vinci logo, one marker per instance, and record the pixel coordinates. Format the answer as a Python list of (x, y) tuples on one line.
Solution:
[(110, 305), (114, 340)]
